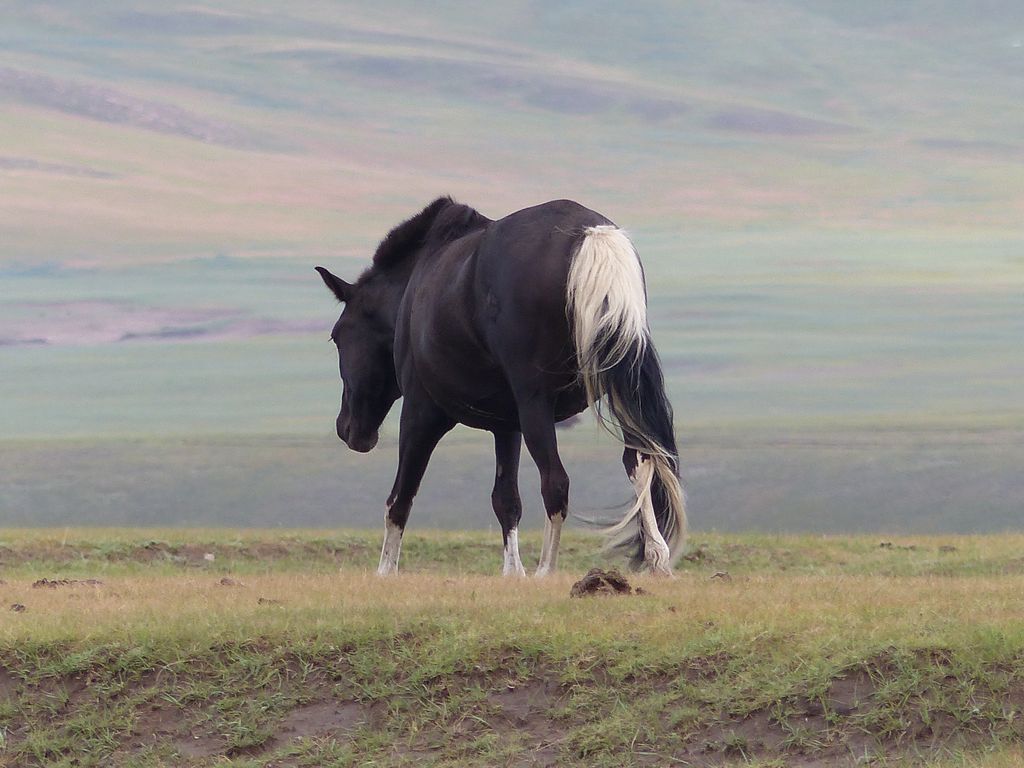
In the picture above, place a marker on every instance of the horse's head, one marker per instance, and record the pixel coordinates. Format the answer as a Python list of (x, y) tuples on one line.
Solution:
[(364, 336)]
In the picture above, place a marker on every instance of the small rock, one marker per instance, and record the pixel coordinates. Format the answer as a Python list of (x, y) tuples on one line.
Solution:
[(209, 557)]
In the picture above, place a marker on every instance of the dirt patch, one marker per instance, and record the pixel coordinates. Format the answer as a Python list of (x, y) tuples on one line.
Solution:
[(54, 583), (797, 739), (9, 685), (843, 726), (153, 551), (335, 718), (705, 668), (521, 714), (163, 723), (849, 693), (601, 582), (198, 745), (745, 737), (523, 704)]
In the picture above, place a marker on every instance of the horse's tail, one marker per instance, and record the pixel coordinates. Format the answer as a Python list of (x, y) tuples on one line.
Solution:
[(607, 303)]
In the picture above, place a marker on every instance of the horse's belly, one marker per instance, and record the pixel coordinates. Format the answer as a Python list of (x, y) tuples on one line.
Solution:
[(483, 399), (476, 399)]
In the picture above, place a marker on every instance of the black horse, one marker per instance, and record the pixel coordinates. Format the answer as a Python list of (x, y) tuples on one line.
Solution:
[(510, 326)]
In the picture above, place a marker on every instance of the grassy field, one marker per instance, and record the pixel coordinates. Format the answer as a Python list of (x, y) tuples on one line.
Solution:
[(827, 198), (216, 647)]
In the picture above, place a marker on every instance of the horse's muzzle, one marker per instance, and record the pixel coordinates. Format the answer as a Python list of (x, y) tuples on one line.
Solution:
[(361, 443)]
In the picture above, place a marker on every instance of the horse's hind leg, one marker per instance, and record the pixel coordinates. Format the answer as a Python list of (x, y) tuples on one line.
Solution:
[(505, 498), (536, 418), (422, 426), (640, 469)]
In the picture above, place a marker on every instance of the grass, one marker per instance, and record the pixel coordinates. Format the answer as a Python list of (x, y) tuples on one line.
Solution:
[(32, 553), (809, 649)]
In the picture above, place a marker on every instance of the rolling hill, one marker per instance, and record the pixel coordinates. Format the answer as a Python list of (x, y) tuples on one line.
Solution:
[(827, 197)]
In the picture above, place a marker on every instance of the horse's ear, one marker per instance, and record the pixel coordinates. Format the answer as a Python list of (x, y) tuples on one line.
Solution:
[(338, 287)]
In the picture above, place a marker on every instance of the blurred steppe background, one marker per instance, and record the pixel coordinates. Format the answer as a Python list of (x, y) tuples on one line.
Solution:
[(828, 197)]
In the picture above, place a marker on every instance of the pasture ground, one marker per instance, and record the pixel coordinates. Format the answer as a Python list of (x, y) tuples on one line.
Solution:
[(280, 648)]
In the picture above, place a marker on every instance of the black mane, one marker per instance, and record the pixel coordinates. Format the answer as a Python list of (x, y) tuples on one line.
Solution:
[(441, 222)]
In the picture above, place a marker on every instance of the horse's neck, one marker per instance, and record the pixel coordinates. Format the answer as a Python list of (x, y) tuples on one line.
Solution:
[(393, 285)]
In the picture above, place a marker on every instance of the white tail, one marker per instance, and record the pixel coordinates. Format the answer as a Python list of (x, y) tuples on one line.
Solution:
[(607, 305)]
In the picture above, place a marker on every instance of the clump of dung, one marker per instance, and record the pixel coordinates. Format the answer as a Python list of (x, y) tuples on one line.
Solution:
[(601, 582)]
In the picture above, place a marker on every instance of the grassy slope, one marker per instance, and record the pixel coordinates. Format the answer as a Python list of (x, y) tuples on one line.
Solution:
[(812, 651), (801, 273), (309, 130)]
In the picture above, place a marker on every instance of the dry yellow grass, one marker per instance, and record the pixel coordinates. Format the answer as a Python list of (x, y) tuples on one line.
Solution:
[(844, 610)]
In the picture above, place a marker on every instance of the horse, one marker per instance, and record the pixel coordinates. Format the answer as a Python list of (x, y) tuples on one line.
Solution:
[(510, 326)]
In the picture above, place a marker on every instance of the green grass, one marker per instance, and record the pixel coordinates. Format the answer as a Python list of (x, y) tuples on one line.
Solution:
[(810, 649), (83, 552)]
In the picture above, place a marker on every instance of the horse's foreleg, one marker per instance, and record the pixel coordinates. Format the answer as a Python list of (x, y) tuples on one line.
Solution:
[(538, 424), (422, 426), (505, 498)]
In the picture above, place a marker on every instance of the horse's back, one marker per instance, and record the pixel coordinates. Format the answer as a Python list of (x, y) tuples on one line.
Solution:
[(523, 259), (542, 236)]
